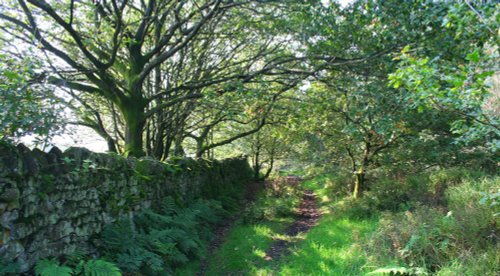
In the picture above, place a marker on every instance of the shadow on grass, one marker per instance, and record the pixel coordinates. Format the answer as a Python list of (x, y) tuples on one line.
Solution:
[(331, 248), (244, 251)]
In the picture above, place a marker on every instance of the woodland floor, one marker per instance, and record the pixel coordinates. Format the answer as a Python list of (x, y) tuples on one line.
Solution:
[(251, 192), (307, 216)]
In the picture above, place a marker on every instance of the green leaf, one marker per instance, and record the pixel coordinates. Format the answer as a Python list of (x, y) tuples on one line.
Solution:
[(51, 268), (100, 268), (473, 57), (11, 75), (405, 49)]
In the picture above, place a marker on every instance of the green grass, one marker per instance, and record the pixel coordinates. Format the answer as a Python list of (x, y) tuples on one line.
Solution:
[(330, 248), (333, 247), (338, 245), (191, 268), (244, 250)]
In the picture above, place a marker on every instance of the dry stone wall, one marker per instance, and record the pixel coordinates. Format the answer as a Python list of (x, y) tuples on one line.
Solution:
[(52, 204)]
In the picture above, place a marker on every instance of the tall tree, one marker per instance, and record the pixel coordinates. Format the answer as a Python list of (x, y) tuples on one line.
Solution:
[(27, 108), (361, 113), (111, 48)]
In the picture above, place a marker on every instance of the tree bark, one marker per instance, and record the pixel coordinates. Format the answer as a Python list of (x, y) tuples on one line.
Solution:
[(270, 168), (257, 166), (178, 148), (360, 174), (359, 183), (133, 115)]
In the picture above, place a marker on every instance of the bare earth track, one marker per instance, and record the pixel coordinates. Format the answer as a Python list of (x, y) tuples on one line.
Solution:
[(307, 217), (251, 191)]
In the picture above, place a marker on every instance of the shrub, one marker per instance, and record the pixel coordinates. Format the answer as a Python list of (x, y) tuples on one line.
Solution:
[(390, 194), (393, 193), (445, 239), (440, 180), (279, 200), (425, 238), (485, 263), (360, 208), (338, 185), (8, 267), (156, 242), (88, 268), (478, 222)]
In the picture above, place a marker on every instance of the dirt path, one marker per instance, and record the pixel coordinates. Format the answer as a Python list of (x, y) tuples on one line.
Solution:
[(251, 191), (307, 216)]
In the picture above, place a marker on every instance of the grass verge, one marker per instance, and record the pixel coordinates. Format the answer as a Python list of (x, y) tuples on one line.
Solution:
[(333, 247), (244, 250), (330, 248)]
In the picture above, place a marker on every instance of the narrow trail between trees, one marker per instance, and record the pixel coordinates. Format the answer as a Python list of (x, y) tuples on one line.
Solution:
[(221, 232), (307, 217)]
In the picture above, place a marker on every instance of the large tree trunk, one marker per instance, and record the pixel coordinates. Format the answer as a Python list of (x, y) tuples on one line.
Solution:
[(178, 148), (199, 148), (359, 183), (133, 139), (270, 168), (133, 115), (360, 174)]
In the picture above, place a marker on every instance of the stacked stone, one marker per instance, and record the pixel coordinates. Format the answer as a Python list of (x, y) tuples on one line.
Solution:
[(55, 203)]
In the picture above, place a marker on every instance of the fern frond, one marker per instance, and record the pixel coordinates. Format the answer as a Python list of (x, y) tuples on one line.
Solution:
[(129, 262), (100, 268), (168, 206), (75, 258), (51, 268), (156, 242), (178, 257), (148, 219), (119, 236), (138, 258), (8, 267)]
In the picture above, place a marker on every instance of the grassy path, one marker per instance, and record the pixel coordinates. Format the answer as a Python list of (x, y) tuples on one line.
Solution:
[(251, 191), (307, 216), (332, 247)]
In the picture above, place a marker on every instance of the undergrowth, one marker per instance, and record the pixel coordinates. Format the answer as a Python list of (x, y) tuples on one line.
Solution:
[(445, 222), (278, 200), (261, 223), (446, 225), (158, 242), (50, 267)]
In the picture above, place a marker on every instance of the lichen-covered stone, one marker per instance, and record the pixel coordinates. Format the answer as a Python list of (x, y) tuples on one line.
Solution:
[(9, 194), (7, 219), (9, 159), (30, 166), (53, 203)]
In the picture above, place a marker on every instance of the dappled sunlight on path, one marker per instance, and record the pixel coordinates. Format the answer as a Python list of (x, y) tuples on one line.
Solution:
[(307, 217)]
